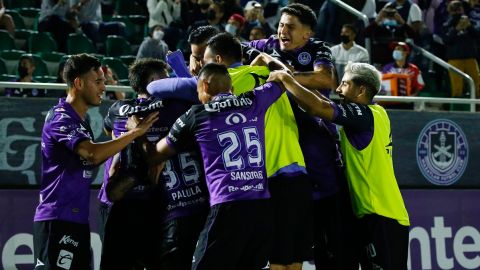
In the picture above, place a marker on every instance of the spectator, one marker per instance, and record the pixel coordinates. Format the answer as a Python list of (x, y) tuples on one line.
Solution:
[(232, 7), (91, 21), (409, 11), (389, 26), (254, 18), (163, 12), (257, 33), (348, 50), (6, 21), (214, 17), (111, 79), (460, 38), (154, 46), (26, 67), (235, 25), (411, 73), (53, 19)]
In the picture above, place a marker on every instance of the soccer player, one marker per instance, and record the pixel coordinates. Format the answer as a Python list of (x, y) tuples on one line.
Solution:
[(69, 157), (198, 42), (366, 142), (230, 131), (165, 221)]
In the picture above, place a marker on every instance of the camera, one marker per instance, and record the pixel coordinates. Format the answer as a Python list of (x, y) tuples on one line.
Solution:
[(390, 13)]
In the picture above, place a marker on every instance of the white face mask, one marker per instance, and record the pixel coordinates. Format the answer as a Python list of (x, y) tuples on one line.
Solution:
[(230, 28), (158, 34)]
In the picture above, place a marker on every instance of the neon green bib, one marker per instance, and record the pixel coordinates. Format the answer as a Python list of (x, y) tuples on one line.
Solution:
[(282, 149), (370, 174)]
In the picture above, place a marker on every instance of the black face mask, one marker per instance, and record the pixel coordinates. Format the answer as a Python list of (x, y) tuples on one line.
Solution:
[(211, 15), (22, 71), (344, 39)]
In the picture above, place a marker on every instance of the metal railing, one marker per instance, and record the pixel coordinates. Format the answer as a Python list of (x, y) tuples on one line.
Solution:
[(449, 67), (58, 86), (359, 15)]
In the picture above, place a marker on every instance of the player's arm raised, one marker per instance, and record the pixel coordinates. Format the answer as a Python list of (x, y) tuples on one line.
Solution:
[(99, 152), (314, 103)]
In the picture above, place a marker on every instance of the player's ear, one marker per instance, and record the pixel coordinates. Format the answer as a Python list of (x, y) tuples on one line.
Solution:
[(218, 58), (78, 82)]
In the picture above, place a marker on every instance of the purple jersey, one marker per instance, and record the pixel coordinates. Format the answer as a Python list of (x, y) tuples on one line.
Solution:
[(181, 181), (357, 121), (66, 177), (230, 131), (314, 53)]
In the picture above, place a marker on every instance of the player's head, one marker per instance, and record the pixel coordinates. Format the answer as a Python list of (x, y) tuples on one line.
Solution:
[(360, 83), (223, 48), (84, 78), (213, 79), (144, 71), (296, 26), (198, 40), (26, 65)]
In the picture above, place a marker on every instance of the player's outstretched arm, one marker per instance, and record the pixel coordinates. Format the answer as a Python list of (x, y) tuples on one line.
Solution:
[(314, 104), (99, 152), (322, 77)]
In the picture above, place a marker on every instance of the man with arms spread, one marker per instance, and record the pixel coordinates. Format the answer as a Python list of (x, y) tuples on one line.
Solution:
[(69, 156), (366, 142), (230, 133)]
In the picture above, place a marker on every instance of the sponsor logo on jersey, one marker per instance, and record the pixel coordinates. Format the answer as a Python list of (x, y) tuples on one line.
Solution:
[(235, 118), (232, 102), (304, 58), (442, 152), (64, 259)]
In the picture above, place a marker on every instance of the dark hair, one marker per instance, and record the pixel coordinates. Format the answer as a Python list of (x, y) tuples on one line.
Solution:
[(305, 14), (29, 57), (77, 65), (227, 46), (140, 71), (351, 27), (202, 34), (218, 77)]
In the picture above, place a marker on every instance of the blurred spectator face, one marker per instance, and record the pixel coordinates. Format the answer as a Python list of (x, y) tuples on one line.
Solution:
[(110, 76), (400, 53), (347, 35), (455, 7), (251, 15), (257, 33), (292, 33), (214, 12), (234, 24), (26, 67), (158, 33)]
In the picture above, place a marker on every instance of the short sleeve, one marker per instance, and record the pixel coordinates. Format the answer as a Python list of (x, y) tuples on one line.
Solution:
[(181, 135), (353, 116), (259, 44), (68, 132), (323, 54), (174, 88), (415, 14)]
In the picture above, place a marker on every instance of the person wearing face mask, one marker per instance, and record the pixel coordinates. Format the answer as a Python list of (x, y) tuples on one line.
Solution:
[(348, 50), (408, 76), (235, 25), (154, 46), (214, 17), (26, 67), (388, 27)]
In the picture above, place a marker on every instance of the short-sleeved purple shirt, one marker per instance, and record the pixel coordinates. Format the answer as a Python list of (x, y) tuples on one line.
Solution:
[(66, 177)]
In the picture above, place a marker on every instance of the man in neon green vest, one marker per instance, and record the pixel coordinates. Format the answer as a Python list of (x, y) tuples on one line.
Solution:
[(366, 142)]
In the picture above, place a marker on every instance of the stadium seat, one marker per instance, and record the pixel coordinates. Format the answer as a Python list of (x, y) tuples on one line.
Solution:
[(7, 77), (6, 41), (127, 7), (3, 67), (41, 42), (29, 14), (128, 59), (21, 38), (116, 46), (134, 30), (45, 79), (17, 18), (52, 59), (79, 43), (11, 60), (21, 4), (117, 66)]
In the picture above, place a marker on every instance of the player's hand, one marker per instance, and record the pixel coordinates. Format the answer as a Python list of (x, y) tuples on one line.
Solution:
[(259, 60), (278, 76), (141, 126), (194, 66)]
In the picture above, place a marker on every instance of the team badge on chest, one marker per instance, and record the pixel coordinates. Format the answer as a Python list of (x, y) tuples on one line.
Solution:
[(304, 58)]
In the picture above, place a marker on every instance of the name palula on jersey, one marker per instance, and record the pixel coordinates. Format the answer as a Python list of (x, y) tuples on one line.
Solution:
[(227, 103), (186, 193)]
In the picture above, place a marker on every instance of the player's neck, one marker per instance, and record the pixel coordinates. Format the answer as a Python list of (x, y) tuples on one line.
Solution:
[(78, 105)]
